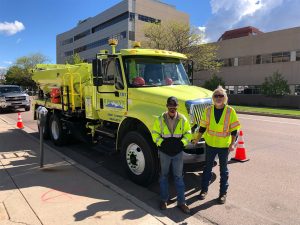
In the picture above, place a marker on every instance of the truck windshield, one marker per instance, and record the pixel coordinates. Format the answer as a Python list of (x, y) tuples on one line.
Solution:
[(9, 89), (154, 71)]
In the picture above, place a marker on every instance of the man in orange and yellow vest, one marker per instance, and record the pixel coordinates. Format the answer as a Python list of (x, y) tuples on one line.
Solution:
[(218, 125)]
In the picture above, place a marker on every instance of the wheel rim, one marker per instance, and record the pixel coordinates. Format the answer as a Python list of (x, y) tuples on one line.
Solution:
[(135, 159), (55, 130)]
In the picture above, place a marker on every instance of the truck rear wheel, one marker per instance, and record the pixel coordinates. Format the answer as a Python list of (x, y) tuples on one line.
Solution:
[(139, 158), (57, 133)]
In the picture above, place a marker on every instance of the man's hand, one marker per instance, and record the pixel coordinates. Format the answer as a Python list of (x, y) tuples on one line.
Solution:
[(231, 148), (195, 141)]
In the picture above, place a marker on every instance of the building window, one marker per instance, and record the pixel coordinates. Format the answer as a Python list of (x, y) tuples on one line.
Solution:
[(298, 56), (281, 57), (267, 58), (246, 60), (148, 19), (131, 35), (120, 36), (110, 22), (297, 89), (252, 89), (131, 16), (68, 53), (228, 62), (101, 42), (258, 59), (67, 41), (81, 35)]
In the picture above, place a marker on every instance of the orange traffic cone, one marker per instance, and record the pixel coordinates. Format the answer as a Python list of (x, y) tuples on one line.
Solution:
[(240, 153), (20, 122)]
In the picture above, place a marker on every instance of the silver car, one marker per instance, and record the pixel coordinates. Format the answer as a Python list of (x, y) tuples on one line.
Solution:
[(12, 97)]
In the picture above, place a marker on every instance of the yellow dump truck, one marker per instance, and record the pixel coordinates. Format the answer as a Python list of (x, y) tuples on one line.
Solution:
[(118, 97)]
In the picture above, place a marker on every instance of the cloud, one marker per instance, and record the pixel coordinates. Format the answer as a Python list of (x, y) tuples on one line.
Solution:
[(11, 28), (19, 40), (201, 31), (266, 15), (8, 62)]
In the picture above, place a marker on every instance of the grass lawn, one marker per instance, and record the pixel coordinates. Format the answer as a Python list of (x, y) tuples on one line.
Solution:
[(250, 109)]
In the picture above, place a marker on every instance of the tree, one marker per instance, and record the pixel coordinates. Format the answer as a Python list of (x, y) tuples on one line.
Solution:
[(74, 59), (214, 82), (30, 61), (182, 38), (275, 85), (20, 73), (2, 75)]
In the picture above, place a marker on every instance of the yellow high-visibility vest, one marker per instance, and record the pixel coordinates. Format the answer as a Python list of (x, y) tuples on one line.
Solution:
[(219, 134), (182, 129)]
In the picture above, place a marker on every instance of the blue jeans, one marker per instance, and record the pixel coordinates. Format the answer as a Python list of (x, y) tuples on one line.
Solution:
[(177, 167), (211, 153)]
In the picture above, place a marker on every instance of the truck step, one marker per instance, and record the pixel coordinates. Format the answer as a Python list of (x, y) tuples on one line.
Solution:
[(106, 132)]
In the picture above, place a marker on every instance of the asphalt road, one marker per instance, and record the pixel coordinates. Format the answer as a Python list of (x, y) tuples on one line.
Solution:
[(264, 190)]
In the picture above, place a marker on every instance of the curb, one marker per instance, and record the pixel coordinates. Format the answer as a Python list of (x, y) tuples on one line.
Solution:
[(269, 115), (153, 212)]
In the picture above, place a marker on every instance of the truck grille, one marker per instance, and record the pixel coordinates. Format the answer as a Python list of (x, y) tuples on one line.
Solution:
[(196, 109), (15, 99)]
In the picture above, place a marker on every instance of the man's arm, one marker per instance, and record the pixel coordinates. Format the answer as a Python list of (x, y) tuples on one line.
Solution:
[(156, 137)]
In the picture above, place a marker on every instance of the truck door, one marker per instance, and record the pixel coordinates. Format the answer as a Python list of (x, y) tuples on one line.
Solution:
[(112, 95)]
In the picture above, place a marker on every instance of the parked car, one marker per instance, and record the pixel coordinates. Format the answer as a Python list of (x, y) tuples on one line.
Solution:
[(12, 97)]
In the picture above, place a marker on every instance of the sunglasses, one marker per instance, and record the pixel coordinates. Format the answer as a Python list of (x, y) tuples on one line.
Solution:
[(172, 109), (218, 96)]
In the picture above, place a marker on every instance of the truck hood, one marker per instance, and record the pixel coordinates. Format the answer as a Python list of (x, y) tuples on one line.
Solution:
[(159, 95)]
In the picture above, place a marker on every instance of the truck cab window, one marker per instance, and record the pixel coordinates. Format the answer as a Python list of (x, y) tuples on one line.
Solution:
[(148, 72), (113, 73)]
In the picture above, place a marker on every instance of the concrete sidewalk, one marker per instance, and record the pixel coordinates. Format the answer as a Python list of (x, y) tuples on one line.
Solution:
[(61, 193)]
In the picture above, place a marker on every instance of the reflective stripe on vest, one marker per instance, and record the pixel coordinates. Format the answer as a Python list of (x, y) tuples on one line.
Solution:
[(227, 119), (235, 124), (225, 132), (170, 135)]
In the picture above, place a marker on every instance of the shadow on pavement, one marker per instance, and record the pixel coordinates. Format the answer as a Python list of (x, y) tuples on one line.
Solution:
[(71, 190)]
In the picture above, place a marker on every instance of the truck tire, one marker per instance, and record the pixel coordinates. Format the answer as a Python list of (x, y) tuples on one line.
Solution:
[(27, 108), (57, 133), (139, 158)]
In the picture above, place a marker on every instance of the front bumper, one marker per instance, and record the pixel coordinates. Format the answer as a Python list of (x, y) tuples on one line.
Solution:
[(15, 105), (194, 153)]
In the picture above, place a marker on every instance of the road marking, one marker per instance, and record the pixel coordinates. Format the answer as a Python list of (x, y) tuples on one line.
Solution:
[(270, 121)]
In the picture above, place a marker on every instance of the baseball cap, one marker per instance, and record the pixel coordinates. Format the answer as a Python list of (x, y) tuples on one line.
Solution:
[(172, 101)]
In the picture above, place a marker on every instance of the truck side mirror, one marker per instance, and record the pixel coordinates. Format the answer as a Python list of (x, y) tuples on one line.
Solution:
[(190, 70), (97, 72)]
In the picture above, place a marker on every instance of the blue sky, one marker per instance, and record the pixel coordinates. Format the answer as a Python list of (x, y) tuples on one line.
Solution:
[(31, 26)]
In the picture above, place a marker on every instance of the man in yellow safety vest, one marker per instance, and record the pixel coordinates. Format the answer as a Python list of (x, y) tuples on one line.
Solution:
[(171, 132), (218, 125)]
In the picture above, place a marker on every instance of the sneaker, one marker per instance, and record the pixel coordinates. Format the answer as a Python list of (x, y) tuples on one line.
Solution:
[(163, 205), (184, 208), (202, 195), (222, 198)]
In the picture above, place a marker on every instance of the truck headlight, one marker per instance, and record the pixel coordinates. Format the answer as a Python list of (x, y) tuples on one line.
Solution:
[(27, 97), (2, 99)]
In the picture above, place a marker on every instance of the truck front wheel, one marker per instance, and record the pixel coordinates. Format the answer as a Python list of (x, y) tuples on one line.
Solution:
[(57, 133), (139, 158)]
